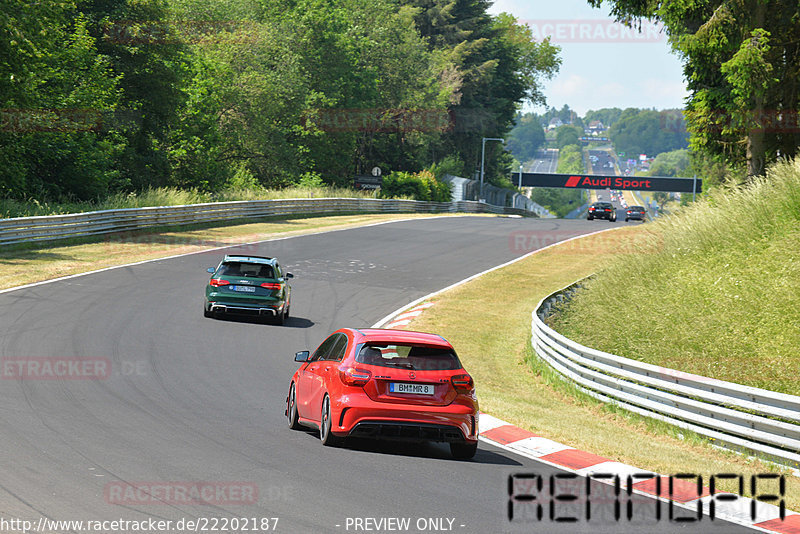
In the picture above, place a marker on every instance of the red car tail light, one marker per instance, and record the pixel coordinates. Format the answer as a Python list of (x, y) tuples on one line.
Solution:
[(462, 382), (217, 283), (352, 376), (271, 285)]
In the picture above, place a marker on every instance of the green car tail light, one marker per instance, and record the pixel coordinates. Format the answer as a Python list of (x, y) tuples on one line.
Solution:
[(271, 285)]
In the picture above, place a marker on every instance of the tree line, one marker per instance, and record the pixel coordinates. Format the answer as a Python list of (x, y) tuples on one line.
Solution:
[(632, 131), (107, 96), (741, 61)]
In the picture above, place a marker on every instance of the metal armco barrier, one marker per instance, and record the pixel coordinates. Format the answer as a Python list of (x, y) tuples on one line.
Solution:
[(54, 227), (743, 418)]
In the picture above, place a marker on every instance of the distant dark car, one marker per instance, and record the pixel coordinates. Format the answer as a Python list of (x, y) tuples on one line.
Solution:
[(635, 212), (602, 210)]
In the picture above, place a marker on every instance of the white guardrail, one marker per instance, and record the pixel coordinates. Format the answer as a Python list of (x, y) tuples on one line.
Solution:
[(54, 227), (751, 420)]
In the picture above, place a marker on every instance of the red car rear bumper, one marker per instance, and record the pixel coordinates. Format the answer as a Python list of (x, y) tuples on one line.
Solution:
[(361, 416)]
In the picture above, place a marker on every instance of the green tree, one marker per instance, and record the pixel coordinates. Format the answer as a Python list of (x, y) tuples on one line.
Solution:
[(418, 186), (569, 116), (608, 116), (742, 65), (449, 165), (241, 112), (567, 135), (104, 96), (566, 115), (148, 53), (526, 137), (674, 163), (649, 132), (560, 201), (374, 94), (489, 66), (56, 92), (570, 160)]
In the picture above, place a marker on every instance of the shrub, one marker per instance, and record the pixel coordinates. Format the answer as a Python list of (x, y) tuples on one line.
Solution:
[(419, 186), (449, 165)]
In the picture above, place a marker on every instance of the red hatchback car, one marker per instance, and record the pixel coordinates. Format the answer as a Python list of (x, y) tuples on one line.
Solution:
[(385, 384)]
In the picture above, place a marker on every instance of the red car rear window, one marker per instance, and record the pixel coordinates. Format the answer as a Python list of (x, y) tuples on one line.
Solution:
[(413, 357)]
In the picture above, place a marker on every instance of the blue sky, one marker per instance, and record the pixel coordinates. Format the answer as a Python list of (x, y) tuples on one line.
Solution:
[(602, 65)]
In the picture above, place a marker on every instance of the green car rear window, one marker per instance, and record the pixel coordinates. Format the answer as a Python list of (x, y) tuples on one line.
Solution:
[(250, 270), (413, 357)]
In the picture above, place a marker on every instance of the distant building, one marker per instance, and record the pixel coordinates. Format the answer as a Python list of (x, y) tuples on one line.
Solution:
[(596, 126), (555, 122)]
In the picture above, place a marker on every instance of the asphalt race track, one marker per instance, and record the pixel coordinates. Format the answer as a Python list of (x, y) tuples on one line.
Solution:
[(180, 401), (546, 161)]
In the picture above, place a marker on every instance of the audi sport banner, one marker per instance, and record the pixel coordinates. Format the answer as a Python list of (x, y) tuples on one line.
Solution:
[(630, 183)]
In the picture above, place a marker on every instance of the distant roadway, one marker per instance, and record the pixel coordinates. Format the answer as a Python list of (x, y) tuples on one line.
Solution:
[(604, 163), (546, 161)]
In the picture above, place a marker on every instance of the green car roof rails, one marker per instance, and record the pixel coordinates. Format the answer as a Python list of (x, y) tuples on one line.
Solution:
[(234, 257)]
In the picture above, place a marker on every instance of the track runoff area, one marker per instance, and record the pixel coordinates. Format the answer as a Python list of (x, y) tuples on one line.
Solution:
[(622, 183)]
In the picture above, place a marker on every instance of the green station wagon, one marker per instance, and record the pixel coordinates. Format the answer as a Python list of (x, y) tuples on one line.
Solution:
[(249, 285)]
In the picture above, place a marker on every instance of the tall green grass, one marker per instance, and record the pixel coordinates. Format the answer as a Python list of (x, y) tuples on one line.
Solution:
[(715, 290), (168, 196)]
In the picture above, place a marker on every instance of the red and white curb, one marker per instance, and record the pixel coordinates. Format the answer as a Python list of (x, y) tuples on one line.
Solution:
[(402, 319), (684, 493)]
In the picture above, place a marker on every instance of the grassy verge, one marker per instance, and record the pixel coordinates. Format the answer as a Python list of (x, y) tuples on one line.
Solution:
[(167, 196), (513, 385), (718, 297), (27, 264), (570, 160), (587, 161)]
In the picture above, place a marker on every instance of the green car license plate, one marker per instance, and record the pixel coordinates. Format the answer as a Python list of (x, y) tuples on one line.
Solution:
[(244, 289)]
